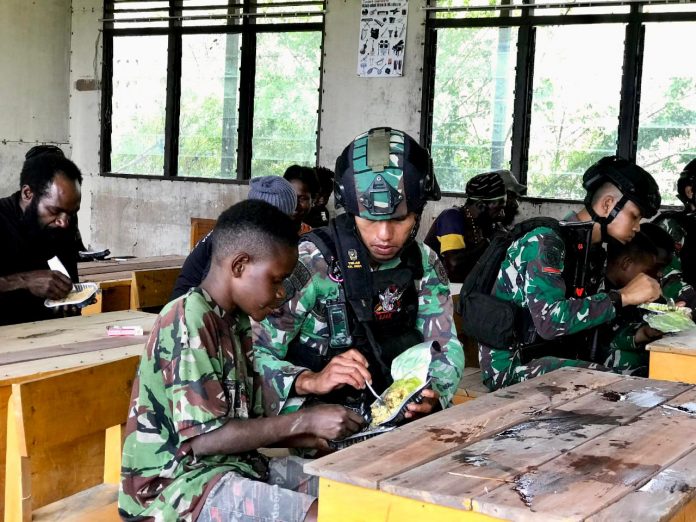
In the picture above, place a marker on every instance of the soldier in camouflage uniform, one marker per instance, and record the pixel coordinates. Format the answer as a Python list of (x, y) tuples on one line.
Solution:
[(679, 278), (195, 418), (364, 289), (619, 195)]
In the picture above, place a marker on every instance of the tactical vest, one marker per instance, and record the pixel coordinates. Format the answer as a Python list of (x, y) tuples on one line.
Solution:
[(583, 274), (375, 312), (687, 253)]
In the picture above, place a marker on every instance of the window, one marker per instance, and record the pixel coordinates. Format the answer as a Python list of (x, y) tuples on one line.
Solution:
[(546, 90), (210, 89)]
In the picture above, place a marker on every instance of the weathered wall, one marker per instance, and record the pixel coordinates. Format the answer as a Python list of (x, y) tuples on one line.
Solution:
[(151, 217), (34, 64)]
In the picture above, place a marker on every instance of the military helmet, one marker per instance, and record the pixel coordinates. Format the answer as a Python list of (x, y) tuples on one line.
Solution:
[(384, 174), (635, 184), (687, 178)]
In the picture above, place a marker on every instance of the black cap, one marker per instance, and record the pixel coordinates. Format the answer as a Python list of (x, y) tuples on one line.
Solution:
[(38, 150)]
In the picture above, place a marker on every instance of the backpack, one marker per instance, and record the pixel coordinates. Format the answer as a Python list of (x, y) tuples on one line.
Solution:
[(485, 318)]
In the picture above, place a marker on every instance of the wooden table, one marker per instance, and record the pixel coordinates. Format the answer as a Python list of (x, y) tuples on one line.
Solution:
[(673, 357), (114, 279), (573, 444), (110, 270), (34, 350)]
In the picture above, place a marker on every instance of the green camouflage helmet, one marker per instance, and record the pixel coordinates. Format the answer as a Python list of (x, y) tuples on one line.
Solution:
[(384, 174)]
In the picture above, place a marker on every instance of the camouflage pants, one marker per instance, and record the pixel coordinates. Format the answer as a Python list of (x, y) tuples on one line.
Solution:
[(500, 368), (285, 497), (628, 362)]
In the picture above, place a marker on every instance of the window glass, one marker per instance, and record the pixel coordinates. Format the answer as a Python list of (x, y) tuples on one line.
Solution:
[(473, 103), (209, 105), (138, 104), (667, 132), (575, 105), (286, 101)]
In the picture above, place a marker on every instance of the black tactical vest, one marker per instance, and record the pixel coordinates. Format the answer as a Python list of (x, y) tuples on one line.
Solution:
[(381, 306)]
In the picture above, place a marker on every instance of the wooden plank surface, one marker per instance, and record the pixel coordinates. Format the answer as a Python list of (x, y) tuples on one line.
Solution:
[(481, 467), (682, 342), (661, 498), (568, 445), (129, 265), (55, 332), (375, 460), (599, 472)]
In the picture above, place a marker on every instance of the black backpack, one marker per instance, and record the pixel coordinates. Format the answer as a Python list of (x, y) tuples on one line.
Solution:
[(485, 318)]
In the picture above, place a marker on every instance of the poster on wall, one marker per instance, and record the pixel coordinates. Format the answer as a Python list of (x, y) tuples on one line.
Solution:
[(382, 38)]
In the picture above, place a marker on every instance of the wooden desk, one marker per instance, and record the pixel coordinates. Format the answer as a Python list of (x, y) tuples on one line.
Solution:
[(114, 279), (573, 444), (33, 350), (673, 357)]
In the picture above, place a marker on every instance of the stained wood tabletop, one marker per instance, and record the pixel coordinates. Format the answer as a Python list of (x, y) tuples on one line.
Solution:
[(40, 347), (574, 444), (682, 342)]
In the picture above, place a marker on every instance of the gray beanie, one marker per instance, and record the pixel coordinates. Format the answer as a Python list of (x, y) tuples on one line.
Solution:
[(274, 190)]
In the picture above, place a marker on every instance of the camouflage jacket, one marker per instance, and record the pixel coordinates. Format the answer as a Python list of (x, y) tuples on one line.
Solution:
[(299, 317), (673, 284), (531, 276), (195, 375)]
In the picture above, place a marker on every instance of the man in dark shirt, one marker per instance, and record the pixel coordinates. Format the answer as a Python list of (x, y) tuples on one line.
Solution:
[(460, 235), (37, 223)]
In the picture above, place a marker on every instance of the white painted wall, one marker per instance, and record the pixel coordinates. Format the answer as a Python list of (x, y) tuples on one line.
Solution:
[(39, 102), (34, 63)]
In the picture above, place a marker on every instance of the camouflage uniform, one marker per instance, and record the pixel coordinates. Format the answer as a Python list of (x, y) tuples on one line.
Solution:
[(617, 348), (302, 316), (195, 375), (531, 277), (673, 284)]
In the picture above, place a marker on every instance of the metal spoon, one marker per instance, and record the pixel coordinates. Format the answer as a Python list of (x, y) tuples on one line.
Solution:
[(369, 387)]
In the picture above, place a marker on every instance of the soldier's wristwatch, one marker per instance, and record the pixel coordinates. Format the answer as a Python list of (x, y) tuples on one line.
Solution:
[(615, 297)]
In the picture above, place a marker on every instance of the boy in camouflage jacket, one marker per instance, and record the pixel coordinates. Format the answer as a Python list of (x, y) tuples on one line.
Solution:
[(195, 418)]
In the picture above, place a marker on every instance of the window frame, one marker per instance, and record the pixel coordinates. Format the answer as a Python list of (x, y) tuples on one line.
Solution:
[(247, 29), (526, 23)]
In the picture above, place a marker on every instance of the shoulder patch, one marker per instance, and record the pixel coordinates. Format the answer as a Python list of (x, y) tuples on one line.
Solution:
[(441, 272), (296, 281)]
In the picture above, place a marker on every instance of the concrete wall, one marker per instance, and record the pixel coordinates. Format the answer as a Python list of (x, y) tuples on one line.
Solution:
[(34, 103), (61, 47)]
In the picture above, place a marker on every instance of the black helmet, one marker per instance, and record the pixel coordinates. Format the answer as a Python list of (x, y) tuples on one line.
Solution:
[(384, 174), (635, 184), (687, 179)]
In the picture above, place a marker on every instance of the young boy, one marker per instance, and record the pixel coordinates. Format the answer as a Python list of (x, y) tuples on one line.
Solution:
[(621, 345), (195, 418)]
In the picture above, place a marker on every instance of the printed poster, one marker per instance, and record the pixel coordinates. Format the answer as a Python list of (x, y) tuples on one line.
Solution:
[(382, 38)]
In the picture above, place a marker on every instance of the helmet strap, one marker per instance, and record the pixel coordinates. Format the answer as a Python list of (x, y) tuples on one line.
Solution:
[(605, 221)]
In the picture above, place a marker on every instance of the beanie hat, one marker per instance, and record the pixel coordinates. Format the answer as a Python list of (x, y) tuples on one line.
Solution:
[(274, 190), (486, 187)]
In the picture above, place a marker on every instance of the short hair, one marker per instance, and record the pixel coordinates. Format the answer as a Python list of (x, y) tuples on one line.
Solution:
[(606, 189), (39, 170), (659, 237), (325, 177), (640, 248), (252, 226), (304, 174)]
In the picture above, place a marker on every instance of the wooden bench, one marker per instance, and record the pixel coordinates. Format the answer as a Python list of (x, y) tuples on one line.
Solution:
[(470, 387), (200, 227), (64, 443), (152, 288)]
